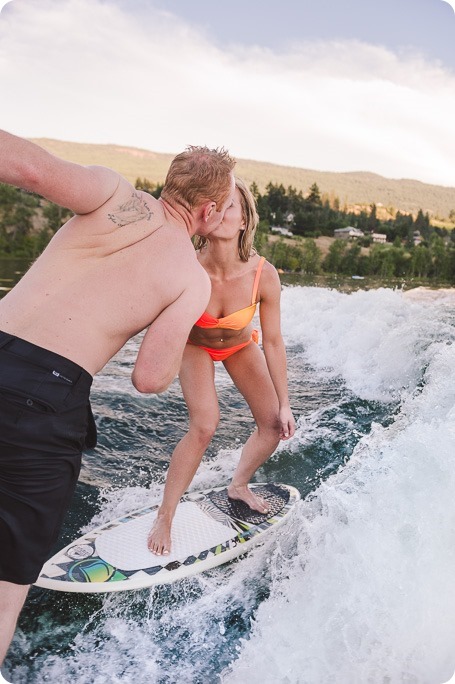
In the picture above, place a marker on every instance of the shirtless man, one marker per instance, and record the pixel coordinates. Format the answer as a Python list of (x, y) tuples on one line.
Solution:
[(122, 264)]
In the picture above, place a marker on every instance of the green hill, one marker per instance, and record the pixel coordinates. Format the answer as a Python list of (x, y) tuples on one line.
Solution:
[(351, 188)]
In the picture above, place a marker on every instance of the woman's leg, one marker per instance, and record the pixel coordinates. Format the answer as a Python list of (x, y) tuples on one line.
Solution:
[(248, 370), (197, 381)]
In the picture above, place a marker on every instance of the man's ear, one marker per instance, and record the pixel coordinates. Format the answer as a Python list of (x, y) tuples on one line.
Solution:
[(208, 209)]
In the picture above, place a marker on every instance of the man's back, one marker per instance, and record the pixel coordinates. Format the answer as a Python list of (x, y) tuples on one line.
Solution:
[(104, 277)]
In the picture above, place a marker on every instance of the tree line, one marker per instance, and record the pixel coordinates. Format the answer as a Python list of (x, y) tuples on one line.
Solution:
[(27, 223), (433, 261), (313, 215), (414, 248)]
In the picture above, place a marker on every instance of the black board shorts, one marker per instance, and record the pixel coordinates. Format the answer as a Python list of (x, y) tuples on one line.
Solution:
[(45, 423)]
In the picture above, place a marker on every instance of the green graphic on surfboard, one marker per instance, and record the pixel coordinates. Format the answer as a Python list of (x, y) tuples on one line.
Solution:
[(94, 570)]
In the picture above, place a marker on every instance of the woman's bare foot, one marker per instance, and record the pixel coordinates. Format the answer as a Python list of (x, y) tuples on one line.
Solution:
[(159, 539), (243, 493)]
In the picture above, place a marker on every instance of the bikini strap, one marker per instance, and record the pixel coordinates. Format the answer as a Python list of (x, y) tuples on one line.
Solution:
[(256, 280)]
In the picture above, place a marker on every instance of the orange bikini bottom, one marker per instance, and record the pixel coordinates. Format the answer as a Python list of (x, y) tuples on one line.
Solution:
[(222, 354)]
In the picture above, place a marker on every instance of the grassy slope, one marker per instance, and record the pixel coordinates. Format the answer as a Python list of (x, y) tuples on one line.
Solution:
[(351, 188)]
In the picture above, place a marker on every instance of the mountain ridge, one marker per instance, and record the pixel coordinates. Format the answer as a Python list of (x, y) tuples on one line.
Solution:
[(351, 187)]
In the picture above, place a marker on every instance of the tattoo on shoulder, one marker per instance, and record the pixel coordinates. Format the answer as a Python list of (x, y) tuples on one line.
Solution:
[(135, 209)]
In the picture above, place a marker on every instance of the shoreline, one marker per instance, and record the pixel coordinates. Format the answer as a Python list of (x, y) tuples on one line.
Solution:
[(12, 268), (345, 283)]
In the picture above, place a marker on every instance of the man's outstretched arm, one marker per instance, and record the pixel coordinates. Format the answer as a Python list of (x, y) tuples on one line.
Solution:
[(79, 188)]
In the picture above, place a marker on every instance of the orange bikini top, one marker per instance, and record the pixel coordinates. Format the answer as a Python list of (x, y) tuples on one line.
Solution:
[(238, 319)]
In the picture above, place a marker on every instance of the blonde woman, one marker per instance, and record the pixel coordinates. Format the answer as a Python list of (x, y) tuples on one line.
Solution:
[(240, 279)]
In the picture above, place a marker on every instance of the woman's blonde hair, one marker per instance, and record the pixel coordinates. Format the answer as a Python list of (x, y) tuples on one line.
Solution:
[(250, 219)]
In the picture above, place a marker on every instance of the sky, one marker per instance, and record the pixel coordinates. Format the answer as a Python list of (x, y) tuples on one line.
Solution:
[(332, 85)]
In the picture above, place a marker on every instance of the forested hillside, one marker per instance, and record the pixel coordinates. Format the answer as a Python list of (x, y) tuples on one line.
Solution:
[(415, 247)]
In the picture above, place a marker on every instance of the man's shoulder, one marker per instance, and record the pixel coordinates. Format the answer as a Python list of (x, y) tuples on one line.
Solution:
[(187, 266)]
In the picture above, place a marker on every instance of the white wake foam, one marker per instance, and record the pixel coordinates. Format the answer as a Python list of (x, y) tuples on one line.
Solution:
[(370, 596)]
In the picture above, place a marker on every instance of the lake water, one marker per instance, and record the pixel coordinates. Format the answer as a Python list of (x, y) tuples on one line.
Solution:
[(356, 588)]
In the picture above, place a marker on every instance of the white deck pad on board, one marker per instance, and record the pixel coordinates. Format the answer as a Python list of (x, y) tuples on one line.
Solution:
[(125, 546)]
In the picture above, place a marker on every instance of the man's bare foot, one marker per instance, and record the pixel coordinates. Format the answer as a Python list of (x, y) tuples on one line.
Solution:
[(159, 539), (243, 493)]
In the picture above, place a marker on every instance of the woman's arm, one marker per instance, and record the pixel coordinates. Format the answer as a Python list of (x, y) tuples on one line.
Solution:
[(274, 349)]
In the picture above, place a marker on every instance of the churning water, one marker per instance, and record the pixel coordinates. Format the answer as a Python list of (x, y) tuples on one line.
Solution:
[(357, 588)]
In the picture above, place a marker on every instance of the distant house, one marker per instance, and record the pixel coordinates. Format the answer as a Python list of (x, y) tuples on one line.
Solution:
[(379, 237), (417, 238), (281, 231), (348, 233)]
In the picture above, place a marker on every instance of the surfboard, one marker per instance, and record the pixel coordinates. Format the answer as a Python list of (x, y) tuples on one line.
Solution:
[(208, 529)]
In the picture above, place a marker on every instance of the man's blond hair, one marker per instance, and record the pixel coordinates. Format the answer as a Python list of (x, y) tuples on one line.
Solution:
[(199, 175)]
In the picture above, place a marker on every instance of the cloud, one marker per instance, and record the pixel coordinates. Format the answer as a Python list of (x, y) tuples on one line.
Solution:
[(451, 3), (95, 71)]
